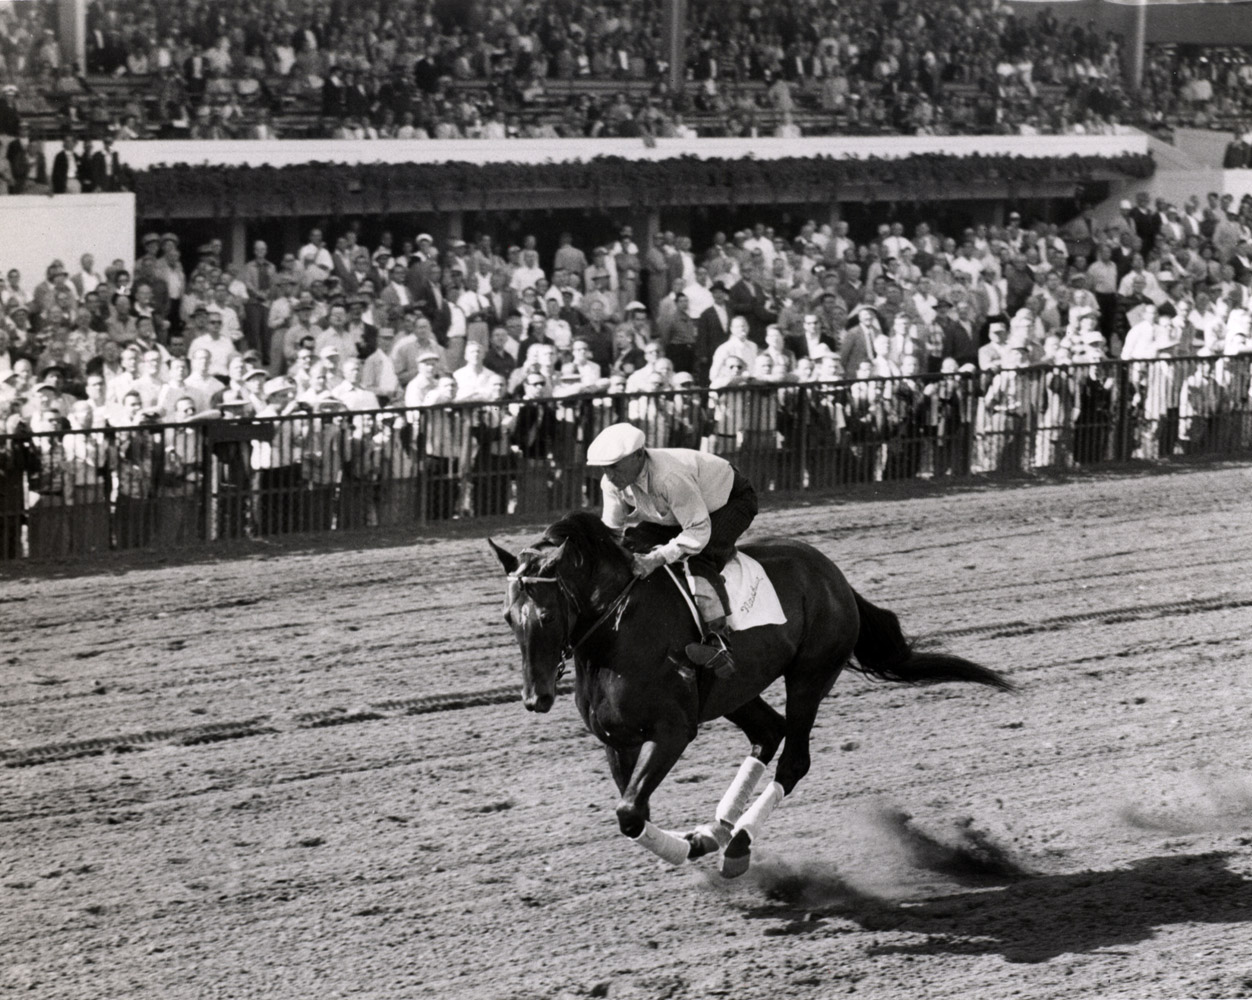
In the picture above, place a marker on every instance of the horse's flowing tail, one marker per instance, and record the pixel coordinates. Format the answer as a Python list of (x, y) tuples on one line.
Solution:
[(882, 651)]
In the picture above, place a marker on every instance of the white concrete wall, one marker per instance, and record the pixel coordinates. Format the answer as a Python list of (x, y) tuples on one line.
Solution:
[(285, 152), (37, 229)]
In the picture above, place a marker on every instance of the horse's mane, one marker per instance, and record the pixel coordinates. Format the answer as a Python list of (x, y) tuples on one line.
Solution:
[(588, 536)]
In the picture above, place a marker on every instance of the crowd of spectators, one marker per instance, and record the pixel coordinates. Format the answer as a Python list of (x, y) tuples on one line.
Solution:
[(440, 69), (462, 364), (1200, 86)]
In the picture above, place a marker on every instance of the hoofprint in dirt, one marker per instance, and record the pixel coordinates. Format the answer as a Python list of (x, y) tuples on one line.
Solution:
[(1090, 837)]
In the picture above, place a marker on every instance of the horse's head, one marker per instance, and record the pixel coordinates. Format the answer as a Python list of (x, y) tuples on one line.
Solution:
[(539, 607)]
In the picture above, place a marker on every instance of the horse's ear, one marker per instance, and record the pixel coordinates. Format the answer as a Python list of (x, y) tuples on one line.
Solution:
[(554, 556), (507, 559)]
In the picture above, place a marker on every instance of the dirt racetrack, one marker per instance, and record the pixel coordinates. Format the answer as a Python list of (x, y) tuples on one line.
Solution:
[(228, 779)]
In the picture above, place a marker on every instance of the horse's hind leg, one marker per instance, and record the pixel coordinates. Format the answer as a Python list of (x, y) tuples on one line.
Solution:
[(762, 725), (764, 728), (807, 683)]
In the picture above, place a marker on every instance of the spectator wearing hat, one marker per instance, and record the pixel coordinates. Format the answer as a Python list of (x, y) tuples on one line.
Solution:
[(44, 295), (426, 381), (277, 461), (151, 268), (601, 293), (712, 329)]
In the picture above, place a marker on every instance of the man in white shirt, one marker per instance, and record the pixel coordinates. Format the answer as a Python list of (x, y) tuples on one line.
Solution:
[(220, 348), (221, 306), (895, 244), (699, 297), (337, 334), (529, 273), (349, 391), (86, 280), (473, 381), (315, 254), (201, 380), (737, 345)]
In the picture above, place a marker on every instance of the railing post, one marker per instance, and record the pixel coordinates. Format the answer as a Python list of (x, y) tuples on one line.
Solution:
[(801, 474), (1121, 445)]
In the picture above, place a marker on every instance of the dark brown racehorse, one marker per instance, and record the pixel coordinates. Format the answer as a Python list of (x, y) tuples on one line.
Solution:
[(573, 596)]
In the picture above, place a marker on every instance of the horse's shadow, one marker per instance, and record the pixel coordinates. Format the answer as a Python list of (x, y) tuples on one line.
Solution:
[(1028, 920)]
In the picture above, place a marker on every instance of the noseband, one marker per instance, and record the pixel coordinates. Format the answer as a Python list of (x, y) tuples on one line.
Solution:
[(617, 605)]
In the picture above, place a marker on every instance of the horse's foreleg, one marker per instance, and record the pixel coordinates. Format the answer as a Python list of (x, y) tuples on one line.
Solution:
[(622, 765), (710, 837), (655, 758), (764, 728)]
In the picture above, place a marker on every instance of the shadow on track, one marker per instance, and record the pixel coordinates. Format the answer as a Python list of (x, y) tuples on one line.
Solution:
[(1029, 920)]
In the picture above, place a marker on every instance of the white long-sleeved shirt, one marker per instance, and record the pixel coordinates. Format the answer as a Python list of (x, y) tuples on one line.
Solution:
[(677, 486)]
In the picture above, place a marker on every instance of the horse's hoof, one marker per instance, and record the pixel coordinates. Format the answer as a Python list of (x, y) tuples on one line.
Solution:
[(734, 867), (737, 856), (707, 839)]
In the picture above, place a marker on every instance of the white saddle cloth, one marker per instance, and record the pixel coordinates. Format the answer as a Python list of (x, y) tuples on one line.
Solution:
[(753, 599)]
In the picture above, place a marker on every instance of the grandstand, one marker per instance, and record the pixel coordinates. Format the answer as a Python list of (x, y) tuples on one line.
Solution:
[(448, 70)]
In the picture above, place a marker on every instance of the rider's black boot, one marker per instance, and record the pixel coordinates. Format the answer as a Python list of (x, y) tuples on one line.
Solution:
[(713, 651)]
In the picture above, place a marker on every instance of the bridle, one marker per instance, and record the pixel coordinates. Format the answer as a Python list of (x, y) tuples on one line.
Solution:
[(616, 606)]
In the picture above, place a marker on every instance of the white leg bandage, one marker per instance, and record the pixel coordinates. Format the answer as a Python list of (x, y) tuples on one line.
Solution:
[(760, 810), (740, 792), (665, 845)]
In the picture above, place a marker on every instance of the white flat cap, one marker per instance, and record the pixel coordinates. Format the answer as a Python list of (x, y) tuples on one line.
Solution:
[(614, 443)]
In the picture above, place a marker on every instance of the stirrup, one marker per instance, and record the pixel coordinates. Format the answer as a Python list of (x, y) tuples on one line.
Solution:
[(713, 653)]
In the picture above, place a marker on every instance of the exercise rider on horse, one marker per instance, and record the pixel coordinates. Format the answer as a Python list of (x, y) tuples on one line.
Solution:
[(670, 504)]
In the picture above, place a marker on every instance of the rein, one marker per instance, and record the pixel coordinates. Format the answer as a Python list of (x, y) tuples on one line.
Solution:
[(567, 653)]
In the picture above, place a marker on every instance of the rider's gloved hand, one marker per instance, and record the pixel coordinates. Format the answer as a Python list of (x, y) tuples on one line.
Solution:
[(645, 564)]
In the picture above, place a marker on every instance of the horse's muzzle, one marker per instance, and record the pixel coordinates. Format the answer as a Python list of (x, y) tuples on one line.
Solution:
[(538, 702)]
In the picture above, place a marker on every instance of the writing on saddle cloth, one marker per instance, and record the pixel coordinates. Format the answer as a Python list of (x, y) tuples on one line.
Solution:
[(753, 599)]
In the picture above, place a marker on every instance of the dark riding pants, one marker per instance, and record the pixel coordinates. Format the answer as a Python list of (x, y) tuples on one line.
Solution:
[(728, 523)]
